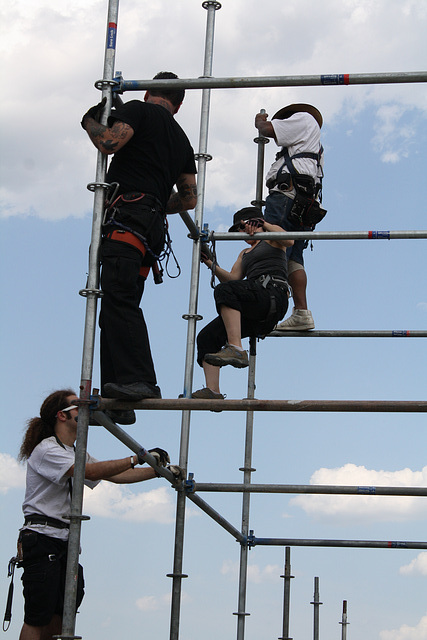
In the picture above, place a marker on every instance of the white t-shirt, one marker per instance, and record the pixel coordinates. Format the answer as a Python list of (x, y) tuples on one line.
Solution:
[(47, 488), (299, 133)]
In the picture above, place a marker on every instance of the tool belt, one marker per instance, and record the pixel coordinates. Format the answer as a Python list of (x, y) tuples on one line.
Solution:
[(306, 212), (37, 518)]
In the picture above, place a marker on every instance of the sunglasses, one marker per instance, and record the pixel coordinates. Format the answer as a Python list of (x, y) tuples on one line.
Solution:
[(72, 406), (254, 221)]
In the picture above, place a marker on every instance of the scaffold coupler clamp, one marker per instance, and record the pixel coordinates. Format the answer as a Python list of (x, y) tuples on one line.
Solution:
[(250, 539), (190, 484)]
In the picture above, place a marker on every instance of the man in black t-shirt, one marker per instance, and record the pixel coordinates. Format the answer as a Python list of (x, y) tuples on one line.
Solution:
[(151, 155)]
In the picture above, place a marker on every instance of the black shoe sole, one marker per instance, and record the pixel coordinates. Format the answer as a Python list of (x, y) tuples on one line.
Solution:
[(221, 362), (111, 391)]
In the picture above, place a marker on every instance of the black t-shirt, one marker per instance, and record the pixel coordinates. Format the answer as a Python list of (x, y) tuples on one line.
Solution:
[(156, 155)]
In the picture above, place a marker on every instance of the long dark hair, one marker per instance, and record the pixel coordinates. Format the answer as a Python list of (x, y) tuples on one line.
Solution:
[(40, 428)]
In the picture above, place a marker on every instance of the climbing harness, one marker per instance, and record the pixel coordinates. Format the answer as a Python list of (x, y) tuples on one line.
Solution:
[(115, 230), (306, 210)]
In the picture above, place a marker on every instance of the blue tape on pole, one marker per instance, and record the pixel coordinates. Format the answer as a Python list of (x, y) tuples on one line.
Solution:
[(335, 78), (400, 334), (112, 33), (397, 545), (366, 490), (379, 235)]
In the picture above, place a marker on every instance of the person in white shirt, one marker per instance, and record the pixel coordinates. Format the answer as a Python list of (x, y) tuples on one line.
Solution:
[(296, 129), (48, 448)]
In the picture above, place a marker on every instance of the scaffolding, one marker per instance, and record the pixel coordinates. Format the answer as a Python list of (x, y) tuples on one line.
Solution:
[(91, 404)]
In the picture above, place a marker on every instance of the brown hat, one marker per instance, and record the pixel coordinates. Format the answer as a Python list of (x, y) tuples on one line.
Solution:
[(285, 112), (247, 213)]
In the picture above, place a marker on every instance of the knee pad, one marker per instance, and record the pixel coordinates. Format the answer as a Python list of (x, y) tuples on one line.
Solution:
[(294, 266)]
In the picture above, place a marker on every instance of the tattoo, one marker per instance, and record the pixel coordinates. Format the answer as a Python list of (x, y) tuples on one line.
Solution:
[(163, 102), (174, 204), (186, 191), (95, 129), (107, 139), (120, 130)]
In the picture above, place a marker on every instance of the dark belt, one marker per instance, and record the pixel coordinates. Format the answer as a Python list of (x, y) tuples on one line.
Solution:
[(135, 196), (36, 518)]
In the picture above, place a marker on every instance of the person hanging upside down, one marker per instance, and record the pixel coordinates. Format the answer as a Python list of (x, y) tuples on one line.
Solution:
[(250, 300)]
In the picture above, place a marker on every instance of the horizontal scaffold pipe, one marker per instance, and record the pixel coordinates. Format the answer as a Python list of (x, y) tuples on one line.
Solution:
[(322, 235), (193, 404), (337, 333), (332, 79), (366, 544), (309, 488)]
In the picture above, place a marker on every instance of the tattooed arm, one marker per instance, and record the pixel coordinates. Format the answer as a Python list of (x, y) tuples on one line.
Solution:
[(108, 140), (186, 198)]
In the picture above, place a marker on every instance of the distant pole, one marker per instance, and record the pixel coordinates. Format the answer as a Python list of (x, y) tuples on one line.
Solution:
[(344, 620), (286, 595), (316, 602)]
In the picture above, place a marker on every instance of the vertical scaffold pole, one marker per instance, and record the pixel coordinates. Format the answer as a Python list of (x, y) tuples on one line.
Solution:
[(344, 622), (192, 317), (247, 474), (91, 293), (286, 595), (316, 602)]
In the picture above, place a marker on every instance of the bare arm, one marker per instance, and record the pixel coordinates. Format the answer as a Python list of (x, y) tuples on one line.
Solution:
[(108, 140), (186, 198), (117, 471), (280, 244), (223, 275), (264, 126)]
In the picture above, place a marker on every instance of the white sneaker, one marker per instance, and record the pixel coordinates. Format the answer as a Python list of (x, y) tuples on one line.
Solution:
[(299, 320)]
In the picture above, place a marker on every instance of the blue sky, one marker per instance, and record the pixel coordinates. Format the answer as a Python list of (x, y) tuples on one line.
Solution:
[(375, 140)]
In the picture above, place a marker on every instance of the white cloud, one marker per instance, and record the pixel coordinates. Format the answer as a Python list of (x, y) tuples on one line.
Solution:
[(154, 603), (422, 306), (49, 158), (109, 500), (148, 603), (370, 507), (417, 566), (405, 632), (12, 474), (256, 573)]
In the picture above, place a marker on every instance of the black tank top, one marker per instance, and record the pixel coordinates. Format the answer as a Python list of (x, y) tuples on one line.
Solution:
[(264, 259)]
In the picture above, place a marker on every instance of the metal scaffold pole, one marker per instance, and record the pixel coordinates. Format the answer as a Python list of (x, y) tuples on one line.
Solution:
[(316, 604), (247, 474), (91, 293), (344, 622), (286, 594), (192, 317), (334, 79), (247, 469)]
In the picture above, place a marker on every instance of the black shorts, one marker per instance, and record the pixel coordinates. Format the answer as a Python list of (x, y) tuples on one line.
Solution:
[(44, 562)]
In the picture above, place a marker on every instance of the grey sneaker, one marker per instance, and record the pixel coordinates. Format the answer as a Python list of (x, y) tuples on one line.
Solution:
[(207, 394), (228, 355), (299, 320)]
